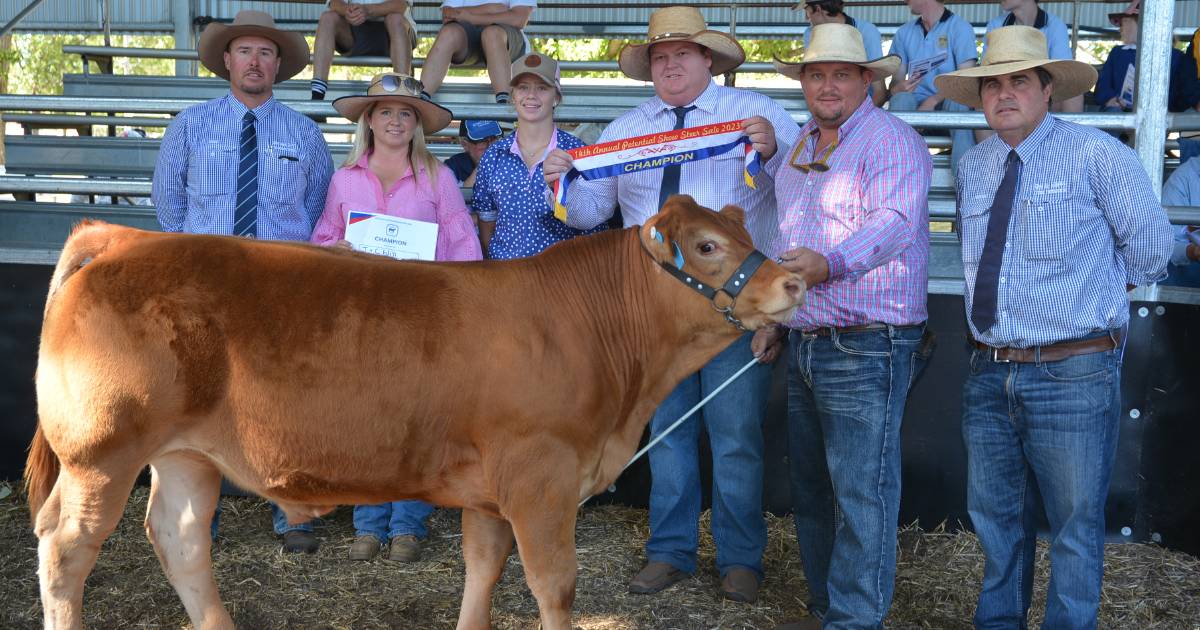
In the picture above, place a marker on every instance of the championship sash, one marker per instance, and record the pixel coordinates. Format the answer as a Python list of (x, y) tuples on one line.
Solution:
[(655, 150)]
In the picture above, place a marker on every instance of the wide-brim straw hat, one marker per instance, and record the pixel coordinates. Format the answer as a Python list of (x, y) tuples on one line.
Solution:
[(681, 24), (399, 88), (837, 43), (293, 49), (1016, 49)]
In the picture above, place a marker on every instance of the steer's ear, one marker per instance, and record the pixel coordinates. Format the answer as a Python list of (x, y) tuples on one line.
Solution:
[(659, 243), (734, 212)]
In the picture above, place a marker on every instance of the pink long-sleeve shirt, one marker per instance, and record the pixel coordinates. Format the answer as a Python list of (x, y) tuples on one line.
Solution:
[(357, 188)]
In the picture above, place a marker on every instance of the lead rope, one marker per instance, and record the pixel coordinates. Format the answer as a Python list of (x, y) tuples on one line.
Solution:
[(678, 422)]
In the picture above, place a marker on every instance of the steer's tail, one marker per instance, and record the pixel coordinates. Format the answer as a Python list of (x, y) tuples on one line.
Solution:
[(87, 241), (41, 471)]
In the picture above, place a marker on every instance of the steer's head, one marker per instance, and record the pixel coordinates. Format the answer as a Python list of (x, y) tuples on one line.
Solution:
[(708, 248)]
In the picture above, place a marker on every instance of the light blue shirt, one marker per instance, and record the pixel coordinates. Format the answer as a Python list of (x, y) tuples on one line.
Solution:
[(1183, 189), (872, 40), (1085, 223), (1055, 30), (195, 178), (952, 34)]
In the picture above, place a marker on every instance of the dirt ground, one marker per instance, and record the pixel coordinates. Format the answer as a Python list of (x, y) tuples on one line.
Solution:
[(1146, 587)]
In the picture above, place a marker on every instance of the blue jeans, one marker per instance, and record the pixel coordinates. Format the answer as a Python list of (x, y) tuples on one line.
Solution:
[(278, 519), (386, 521), (733, 421), (1048, 427), (961, 140), (846, 395)]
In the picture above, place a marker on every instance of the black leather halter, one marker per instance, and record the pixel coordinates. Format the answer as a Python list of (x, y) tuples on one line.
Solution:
[(733, 286)]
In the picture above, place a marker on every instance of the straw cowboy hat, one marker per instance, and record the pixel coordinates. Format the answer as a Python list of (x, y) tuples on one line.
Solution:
[(399, 88), (837, 43), (1015, 49), (681, 24), (293, 50)]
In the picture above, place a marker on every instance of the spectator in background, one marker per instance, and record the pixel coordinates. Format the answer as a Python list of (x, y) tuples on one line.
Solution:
[(511, 197), (680, 57), (935, 43), (363, 27), (833, 12), (1058, 37), (245, 164), (474, 136), (474, 31), (1183, 189), (390, 171)]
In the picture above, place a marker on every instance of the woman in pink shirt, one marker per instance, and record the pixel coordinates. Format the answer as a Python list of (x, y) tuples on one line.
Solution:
[(389, 171)]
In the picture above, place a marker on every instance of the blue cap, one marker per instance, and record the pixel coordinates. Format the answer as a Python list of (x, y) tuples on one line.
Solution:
[(478, 130)]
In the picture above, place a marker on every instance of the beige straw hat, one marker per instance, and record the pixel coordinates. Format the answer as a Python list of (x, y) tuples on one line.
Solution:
[(293, 50), (1015, 49), (401, 88), (681, 24), (837, 43)]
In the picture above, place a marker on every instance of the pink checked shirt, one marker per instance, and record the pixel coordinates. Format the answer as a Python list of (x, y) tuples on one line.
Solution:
[(868, 215), (357, 188)]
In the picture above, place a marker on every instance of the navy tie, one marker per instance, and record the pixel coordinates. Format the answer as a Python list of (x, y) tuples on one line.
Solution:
[(983, 308), (670, 180), (245, 212)]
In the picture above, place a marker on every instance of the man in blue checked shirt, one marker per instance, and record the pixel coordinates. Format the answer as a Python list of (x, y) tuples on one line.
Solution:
[(1058, 221), (245, 164)]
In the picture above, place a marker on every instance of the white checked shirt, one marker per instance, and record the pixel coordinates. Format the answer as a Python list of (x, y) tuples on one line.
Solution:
[(1085, 223), (195, 178), (714, 182)]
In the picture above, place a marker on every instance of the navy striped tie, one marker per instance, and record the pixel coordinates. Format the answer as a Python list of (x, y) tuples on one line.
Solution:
[(670, 180), (245, 213)]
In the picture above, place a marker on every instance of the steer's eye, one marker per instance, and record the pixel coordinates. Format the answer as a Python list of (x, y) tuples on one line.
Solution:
[(707, 247)]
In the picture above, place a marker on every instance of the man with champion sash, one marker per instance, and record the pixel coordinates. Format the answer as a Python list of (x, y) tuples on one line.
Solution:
[(681, 57), (854, 223)]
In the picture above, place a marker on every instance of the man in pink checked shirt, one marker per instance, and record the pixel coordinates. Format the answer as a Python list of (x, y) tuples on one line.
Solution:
[(853, 221)]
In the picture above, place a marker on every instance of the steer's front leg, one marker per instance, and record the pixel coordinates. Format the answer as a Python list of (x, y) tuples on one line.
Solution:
[(486, 542), (542, 508)]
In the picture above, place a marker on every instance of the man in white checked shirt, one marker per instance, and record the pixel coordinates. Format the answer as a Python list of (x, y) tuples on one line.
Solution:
[(245, 164), (1058, 221), (681, 57)]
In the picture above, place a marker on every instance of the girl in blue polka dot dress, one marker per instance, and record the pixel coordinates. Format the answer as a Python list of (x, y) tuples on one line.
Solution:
[(511, 199)]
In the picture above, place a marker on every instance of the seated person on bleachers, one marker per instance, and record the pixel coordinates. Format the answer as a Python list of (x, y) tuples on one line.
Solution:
[(1183, 189), (1184, 95), (937, 42), (245, 164), (359, 28), (831, 11), (475, 136), (475, 31), (1028, 13)]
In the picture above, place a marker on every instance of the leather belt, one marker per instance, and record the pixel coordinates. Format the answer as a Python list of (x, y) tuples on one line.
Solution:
[(828, 331), (1052, 352)]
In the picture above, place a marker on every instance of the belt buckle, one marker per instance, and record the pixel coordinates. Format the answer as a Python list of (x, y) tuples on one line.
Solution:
[(996, 356)]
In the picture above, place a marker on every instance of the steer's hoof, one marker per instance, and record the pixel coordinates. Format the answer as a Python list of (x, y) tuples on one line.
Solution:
[(300, 542)]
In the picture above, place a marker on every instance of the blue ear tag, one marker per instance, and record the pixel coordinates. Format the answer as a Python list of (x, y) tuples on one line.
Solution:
[(678, 255), (656, 234)]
